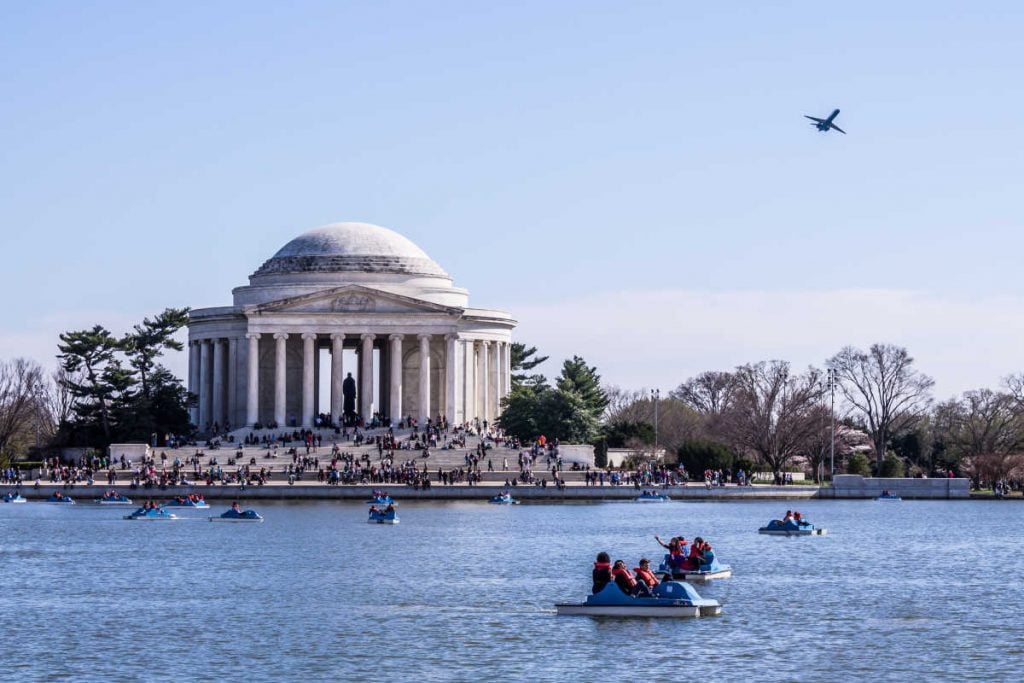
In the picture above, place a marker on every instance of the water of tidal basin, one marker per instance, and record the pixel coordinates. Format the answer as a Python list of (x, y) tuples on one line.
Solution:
[(465, 591)]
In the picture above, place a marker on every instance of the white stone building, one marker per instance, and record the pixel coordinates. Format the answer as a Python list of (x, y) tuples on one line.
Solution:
[(356, 287)]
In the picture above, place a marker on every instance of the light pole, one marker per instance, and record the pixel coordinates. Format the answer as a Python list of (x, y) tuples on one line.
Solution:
[(831, 379), (656, 397)]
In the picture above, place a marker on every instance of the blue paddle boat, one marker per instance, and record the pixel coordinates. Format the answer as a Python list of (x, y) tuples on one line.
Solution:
[(195, 503), (381, 500), (708, 571), (58, 497), (888, 495), (383, 516), (651, 497), (14, 497), (778, 527), (234, 514), (114, 498), (503, 499), (151, 515), (671, 599)]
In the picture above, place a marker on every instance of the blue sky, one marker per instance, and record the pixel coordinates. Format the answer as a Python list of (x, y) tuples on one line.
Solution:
[(621, 176)]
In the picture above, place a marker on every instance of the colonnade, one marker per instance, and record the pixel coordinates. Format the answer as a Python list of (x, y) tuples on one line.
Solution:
[(476, 376)]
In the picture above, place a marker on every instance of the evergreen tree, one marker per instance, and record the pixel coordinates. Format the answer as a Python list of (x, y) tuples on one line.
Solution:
[(93, 376), (579, 378), (523, 359), (148, 341)]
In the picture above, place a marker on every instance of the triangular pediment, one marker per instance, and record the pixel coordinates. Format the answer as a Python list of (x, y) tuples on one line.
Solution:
[(353, 299)]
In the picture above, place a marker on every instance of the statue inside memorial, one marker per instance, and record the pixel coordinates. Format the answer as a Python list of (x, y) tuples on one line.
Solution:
[(348, 393)]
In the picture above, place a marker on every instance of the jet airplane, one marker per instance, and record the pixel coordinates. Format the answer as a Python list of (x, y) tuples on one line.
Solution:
[(824, 125)]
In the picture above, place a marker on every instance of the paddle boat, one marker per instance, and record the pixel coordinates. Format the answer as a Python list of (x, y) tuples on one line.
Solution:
[(709, 570), (235, 514), (503, 499), (58, 497), (381, 498), (651, 497), (888, 495), (14, 497), (196, 503), (671, 599), (153, 514), (778, 527), (114, 498), (389, 516)]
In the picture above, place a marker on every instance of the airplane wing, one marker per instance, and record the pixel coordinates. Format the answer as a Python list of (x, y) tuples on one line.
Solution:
[(838, 128), (812, 118)]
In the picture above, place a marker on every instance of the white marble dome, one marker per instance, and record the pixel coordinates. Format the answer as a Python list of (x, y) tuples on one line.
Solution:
[(351, 247)]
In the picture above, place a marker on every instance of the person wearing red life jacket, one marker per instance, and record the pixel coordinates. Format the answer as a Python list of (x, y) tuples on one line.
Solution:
[(602, 573), (697, 553), (644, 573), (677, 551), (627, 583)]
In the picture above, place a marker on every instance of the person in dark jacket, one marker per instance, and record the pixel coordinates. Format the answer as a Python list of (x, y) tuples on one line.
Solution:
[(602, 572)]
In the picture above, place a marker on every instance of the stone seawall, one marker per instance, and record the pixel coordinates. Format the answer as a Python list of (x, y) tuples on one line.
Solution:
[(856, 486)]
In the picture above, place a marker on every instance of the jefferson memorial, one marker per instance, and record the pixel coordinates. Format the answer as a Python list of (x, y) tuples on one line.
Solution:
[(416, 348)]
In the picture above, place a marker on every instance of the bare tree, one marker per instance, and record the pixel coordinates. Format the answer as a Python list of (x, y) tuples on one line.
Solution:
[(986, 429), (772, 413), (57, 403), (883, 386), (20, 387), (709, 393)]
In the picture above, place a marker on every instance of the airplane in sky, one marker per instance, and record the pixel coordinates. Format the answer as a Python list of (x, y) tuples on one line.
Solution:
[(824, 125)]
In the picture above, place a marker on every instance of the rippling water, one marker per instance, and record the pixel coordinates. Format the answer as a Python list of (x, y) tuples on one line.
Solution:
[(465, 591)]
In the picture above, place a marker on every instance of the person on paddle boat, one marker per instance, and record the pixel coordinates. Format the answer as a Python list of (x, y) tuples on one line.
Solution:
[(678, 549), (627, 583), (696, 558), (788, 517), (797, 517), (390, 509), (644, 573), (235, 507), (602, 573)]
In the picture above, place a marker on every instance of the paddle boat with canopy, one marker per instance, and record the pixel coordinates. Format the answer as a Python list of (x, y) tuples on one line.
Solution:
[(388, 516), (60, 498), (237, 514), (709, 570), (195, 502), (114, 498), (504, 498), (14, 497), (651, 497)]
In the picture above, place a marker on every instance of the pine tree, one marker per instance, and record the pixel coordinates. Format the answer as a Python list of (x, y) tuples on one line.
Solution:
[(523, 359), (579, 378)]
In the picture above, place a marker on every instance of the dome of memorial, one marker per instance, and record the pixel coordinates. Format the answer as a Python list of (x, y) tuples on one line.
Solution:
[(351, 247)]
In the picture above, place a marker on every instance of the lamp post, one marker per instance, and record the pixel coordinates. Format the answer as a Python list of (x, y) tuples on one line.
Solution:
[(830, 378), (656, 397)]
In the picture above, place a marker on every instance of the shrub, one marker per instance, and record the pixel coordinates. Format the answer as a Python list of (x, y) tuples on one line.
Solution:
[(892, 466), (858, 464)]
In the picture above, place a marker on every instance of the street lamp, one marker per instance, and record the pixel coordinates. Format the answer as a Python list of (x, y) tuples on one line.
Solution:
[(656, 397), (831, 379)]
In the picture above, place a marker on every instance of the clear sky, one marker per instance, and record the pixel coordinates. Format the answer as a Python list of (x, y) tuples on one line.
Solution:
[(634, 181)]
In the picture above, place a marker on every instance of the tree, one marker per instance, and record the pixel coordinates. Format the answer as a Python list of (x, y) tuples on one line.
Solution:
[(859, 464), (93, 374), (709, 393), (579, 378), (523, 359), (148, 341), (985, 429), (699, 455), (891, 466), (21, 389), (883, 386), (771, 414), (553, 413)]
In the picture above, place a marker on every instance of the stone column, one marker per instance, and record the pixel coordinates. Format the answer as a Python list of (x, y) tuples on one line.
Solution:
[(492, 381), (337, 376), (308, 342), (424, 402), (484, 381), (205, 383), (252, 389), (451, 370), (508, 368), (468, 394), (193, 380), (396, 378), (232, 411), (499, 384), (280, 377), (366, 378)]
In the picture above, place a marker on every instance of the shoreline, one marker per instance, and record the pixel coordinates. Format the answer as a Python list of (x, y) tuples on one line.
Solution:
[(86, 493)]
